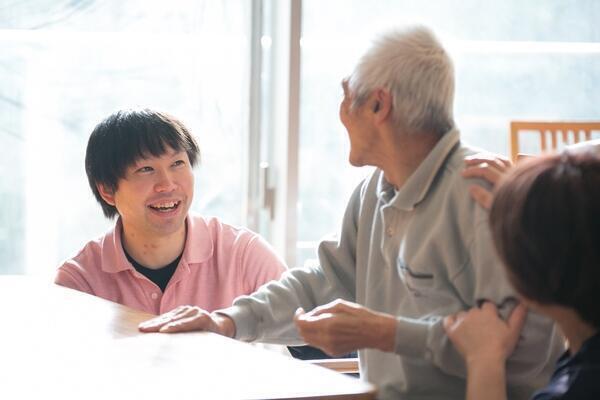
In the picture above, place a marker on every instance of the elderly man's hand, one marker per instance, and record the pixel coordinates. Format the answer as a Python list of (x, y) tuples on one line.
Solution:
[(490, 167), (189, 318), (341, 327)]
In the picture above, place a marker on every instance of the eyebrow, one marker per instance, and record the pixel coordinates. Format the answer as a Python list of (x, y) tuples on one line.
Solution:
[(170, 154)]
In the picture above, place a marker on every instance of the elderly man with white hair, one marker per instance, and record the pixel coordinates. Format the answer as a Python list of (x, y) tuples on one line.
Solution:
[(414, 246)]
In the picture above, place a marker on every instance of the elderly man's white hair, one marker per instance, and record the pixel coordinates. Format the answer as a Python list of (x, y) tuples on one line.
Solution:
[(414, 67)]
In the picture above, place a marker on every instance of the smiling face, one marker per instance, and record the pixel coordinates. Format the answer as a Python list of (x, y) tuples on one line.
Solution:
[(154, 196)]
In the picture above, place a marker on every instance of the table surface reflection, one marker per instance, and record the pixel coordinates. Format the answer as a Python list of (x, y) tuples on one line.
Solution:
[(60, 343)]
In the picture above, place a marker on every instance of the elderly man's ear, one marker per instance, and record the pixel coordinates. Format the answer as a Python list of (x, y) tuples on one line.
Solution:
[(381, 105)]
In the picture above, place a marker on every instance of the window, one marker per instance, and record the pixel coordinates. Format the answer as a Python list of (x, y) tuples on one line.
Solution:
[(66, 65), (513, 60), (228, 69)]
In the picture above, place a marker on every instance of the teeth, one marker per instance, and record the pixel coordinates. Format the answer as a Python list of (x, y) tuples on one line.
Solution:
[(170, 204)]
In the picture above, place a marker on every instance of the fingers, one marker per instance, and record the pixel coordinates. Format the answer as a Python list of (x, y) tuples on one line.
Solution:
[(484, 170), (448, 323), (487, 314), (308, 327), (516, 320), (154, 324), (455, 329), (303, 318), (335, 334), (498, 161), (524, 156), (336, 306), (488, 167), (177, 320), (482, 196), (198, 322), (300, 319), (452, 321), (489, 307), (505, 161), (299, 312)]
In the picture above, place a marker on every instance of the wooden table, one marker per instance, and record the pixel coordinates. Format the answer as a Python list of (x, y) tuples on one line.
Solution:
[(57, 343)]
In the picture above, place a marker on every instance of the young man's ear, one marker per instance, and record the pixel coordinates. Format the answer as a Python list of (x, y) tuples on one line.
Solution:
[(107, 194), (381, 105)]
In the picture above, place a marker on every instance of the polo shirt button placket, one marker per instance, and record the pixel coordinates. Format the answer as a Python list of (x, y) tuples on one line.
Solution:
[(154, 296)]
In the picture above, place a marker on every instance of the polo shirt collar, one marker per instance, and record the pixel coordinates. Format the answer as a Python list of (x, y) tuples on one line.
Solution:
[(113, 256), (198, 246), (418, 184)]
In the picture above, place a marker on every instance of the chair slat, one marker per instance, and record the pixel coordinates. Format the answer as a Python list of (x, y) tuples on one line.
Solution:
[(559, 132)]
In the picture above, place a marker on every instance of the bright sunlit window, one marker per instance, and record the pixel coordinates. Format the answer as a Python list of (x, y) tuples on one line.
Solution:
[(66, 65), (513, 60)]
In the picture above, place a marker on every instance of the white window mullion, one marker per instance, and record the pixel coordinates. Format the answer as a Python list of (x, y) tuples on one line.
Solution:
[(281, 121), (251, 207)]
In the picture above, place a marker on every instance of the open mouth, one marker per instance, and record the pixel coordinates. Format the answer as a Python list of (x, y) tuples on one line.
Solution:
[(165, 207)]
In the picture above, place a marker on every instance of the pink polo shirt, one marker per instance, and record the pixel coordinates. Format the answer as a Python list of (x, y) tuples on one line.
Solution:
[(219, 263)]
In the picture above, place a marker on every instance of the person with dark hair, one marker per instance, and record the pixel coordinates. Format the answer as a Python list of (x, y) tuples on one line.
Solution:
[(413, 247), (545, 221), (139, 165)]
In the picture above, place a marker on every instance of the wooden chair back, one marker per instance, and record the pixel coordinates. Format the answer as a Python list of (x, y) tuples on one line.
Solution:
[(551, 134)]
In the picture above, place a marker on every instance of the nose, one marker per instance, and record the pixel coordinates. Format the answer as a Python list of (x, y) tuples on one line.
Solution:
[(165, 182)]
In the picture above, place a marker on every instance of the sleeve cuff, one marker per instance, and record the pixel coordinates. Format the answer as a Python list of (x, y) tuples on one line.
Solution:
[(411, 337), (244, 320)]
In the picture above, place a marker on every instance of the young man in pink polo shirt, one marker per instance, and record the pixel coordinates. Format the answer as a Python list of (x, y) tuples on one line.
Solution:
[(158, 256)]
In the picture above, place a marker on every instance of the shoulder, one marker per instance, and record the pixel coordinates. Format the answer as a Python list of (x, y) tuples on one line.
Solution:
[(448, 204), (232, 239), (105, 250), (455, 188), (88, 257), (252, 255), (85, 266), (220, 231), (455, 165)]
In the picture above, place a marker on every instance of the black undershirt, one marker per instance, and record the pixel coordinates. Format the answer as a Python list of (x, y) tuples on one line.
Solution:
[(160, 276)]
